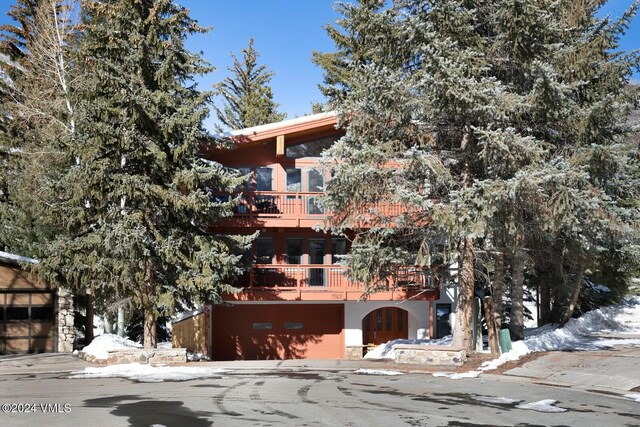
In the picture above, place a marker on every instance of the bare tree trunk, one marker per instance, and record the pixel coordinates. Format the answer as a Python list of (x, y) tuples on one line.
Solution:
[(462, 335), (516, 324), (497, 290), (492, 327), (150, 329), (88, 320), (575, 292), (545, 302)]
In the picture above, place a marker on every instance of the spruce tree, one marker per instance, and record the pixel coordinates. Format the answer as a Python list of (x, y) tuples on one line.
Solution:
[(497, 134), (247, 99), (134, 197)]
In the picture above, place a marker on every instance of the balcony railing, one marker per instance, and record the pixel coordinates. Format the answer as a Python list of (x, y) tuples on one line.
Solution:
[(272, 204), (329, 277)]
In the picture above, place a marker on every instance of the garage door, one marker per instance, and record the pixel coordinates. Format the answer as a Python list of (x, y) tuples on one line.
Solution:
[(27, 315), (278, 331)]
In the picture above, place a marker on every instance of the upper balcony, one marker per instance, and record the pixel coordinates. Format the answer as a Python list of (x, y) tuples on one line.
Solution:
[(293, 209), (318, 282)]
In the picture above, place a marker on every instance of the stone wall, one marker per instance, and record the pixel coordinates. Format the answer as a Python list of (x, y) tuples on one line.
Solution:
[(354, 352), (154, 356), (66, 313), (430, 355)]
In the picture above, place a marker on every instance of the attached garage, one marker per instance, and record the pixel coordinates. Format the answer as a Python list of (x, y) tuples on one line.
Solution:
[(32, 316), (278, 331)]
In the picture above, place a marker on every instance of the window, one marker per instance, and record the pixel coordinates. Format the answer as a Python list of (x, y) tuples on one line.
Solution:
[(294, 179), (246, 184), (17, 313), (316, 181), (264, 250), (338, 247), (311, 148), (262, 326), (294, 250), (264, 179), (42, 313), (293, 325)]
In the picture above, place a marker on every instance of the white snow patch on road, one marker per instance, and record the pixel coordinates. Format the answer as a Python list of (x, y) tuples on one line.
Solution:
[(494, 399), (545, 405), (101, 345), (148, 373), (377, 372), (633, 396), (457, 376), (386, 351)]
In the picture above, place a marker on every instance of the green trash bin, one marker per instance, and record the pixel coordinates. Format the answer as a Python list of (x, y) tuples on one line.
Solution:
[(505, 340)]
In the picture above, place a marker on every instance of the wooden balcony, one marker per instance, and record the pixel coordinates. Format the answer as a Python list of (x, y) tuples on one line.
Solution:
[(292, 209), (328, 282)]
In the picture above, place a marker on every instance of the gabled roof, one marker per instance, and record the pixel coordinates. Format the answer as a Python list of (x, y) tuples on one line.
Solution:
[(285, 127)]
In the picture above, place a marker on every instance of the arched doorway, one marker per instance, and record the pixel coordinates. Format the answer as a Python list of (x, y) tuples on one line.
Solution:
[(385, 324)]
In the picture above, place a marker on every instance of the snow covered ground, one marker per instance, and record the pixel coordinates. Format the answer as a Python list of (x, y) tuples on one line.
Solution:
[(101, 344), (588, 332), (148, 373)]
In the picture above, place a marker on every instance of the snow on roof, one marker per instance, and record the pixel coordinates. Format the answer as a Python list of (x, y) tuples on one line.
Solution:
[(277, 125), (16, 259)]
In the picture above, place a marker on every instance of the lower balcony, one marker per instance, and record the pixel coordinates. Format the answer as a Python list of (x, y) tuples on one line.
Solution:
[(316, 282)]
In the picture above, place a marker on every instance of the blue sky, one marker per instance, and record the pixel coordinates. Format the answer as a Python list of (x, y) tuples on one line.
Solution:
[(285, 34)]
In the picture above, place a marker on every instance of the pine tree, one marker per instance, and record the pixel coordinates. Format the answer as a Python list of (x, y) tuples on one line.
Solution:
[(498, 135), (134, 195), (247, 99)]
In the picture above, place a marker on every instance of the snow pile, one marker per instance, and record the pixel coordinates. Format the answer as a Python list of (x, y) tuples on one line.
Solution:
[(579, 334), (101, 345), (386, 351), (148, 373), (494, 399), (456, 376), (545, 405), (633, 396), (197, 357), (377, 372)]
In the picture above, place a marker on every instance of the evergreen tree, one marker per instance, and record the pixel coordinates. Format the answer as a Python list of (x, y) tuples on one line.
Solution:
[(133, 197), (247, 99), (498, 129), (39, 119)]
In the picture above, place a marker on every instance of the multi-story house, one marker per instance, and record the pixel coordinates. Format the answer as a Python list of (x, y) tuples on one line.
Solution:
[(296, 300)]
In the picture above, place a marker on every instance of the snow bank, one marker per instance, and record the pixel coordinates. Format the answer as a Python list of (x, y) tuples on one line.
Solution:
[(100, 345), (578, 334), (148, 373), (386, 351), (633, 396)]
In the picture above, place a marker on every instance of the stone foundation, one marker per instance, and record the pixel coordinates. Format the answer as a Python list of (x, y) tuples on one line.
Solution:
[(354, 352), (430, 355), (156, 356), (66, 313)]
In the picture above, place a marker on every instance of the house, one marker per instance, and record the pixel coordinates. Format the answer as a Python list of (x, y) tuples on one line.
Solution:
[(296, 301), (34, 317)]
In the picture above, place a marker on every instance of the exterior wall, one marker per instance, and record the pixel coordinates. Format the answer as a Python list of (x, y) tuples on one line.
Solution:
[(65, 318), (355, 311), (191, 333)]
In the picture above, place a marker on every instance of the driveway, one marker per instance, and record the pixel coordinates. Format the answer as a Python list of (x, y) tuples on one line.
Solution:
[(330, 393)]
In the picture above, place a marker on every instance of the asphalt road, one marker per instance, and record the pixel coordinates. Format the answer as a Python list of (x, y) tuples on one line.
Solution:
[(274, 394)]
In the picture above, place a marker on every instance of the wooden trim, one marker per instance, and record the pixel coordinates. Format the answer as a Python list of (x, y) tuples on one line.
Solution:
[(280, 146)]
